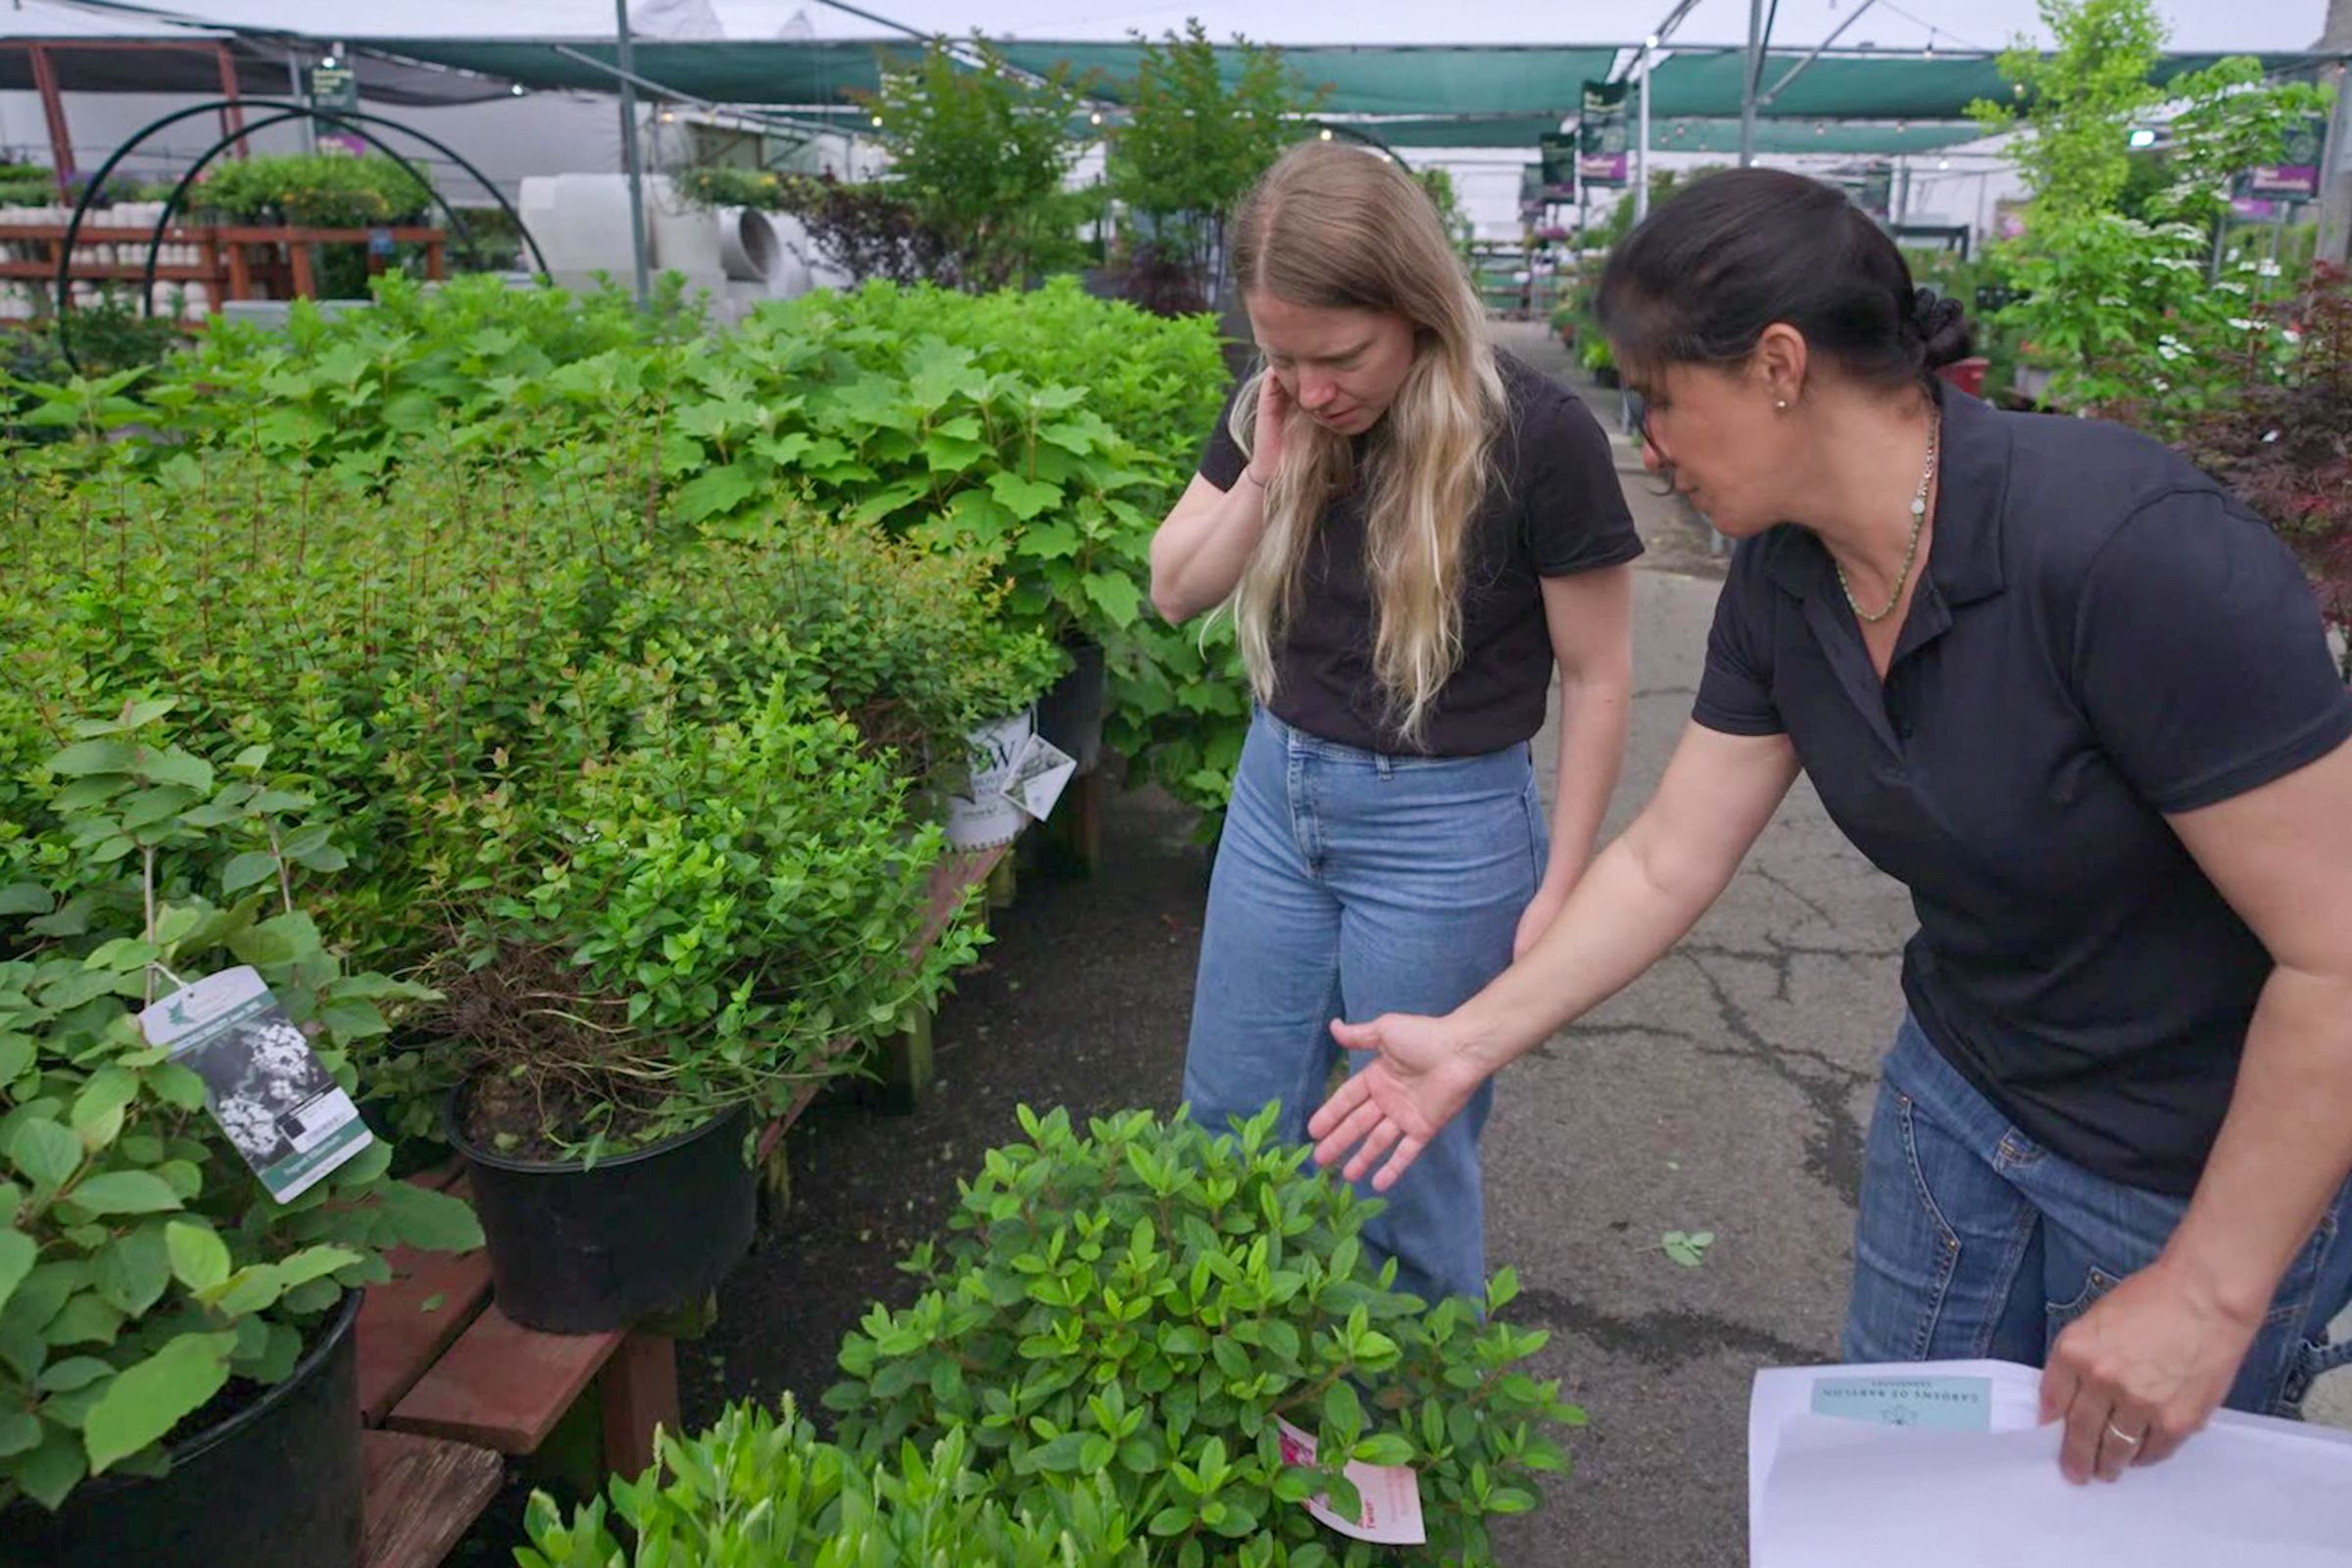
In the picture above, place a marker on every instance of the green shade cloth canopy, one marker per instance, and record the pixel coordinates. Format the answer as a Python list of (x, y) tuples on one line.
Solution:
[(1376, 80), (1446, 95), (1706, 83), (1682, 134)]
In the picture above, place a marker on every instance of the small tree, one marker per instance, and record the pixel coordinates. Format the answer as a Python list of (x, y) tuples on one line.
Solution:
[(981, 152), (2122, 308), (1195, 143)]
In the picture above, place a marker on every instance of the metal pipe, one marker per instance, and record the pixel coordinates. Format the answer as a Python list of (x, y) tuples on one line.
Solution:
[(1799, 68), (629, 155), (1642, 144), (1752, 69)]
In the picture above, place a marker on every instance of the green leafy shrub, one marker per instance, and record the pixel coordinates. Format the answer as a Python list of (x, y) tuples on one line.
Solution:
[(1144, 1302), (321, 190), (1046, 433), (695, 924), (465, 665), (759, 1490), (144, 1271)]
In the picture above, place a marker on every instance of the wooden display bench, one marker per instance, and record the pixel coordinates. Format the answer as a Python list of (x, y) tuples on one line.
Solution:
[(236, 261), (450, 1388)]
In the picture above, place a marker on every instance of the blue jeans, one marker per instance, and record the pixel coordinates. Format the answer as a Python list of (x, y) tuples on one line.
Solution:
[(1349, 884), (1975, 1242)]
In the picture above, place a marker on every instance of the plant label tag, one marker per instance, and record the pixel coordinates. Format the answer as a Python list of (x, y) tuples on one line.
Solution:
[(1391, 1495), (1933, 1403), (1040, 772), (272, 1094)]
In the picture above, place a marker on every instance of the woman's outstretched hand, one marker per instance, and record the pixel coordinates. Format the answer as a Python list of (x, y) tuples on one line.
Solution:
[(1419, 1080)]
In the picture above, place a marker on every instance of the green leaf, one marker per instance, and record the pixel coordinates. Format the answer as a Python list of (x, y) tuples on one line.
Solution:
[(315, 1263), (1687, 1248), (147, 1400), (96, 756), (44, 1152), (21, 1430), (247, 869), (352, 1018), (52, 1470), (17, 1254), (198, 1258), (1343, 1411), (1049, 541), (716, 492), (1117, 596), (25, 898), (1386, 1449), (133, 1271), (98, 1108), (432, 1221), (1024, 498), (176, 767), (125, 1191)]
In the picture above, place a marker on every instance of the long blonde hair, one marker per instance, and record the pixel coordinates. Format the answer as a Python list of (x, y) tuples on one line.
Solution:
[(1334, 226)]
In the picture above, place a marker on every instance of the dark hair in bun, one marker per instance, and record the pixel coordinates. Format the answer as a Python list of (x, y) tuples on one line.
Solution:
[(1702, 276), (1942, 328)]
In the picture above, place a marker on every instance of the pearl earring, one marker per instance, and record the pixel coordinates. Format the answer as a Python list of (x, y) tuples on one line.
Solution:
[(1780, 403)]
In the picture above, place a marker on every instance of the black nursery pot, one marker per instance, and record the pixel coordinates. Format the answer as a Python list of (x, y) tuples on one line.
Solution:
[(580, 1249), (278, 1482), (1070, 713)]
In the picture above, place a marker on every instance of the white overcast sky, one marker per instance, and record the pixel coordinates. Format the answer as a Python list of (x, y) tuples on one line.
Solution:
[(2197, 24)]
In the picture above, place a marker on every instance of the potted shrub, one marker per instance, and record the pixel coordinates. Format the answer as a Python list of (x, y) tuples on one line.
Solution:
[(759, 1489), (177, 1375), (1596, 358), (1147, 1305), (1563, 323), (688, 934)]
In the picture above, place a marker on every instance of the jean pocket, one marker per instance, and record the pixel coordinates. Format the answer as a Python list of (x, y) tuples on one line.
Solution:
[(2096, 1282)]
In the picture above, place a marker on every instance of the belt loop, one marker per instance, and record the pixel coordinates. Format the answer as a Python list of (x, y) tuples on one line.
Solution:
[(1382, 763)]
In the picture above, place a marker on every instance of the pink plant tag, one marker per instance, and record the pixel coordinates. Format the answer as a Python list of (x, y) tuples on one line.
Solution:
[(1391, 1495)]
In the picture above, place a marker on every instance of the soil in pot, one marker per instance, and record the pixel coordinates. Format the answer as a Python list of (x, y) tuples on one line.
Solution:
[(267, 1475), (583, 1249)]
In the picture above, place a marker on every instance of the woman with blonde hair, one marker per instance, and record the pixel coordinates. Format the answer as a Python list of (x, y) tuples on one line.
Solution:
[(1410, 530)]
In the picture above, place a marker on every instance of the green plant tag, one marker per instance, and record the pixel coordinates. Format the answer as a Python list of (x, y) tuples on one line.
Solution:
[(282, 1108)]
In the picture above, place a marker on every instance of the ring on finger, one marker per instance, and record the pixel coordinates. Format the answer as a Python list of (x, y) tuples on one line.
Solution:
[(2126, 1439)]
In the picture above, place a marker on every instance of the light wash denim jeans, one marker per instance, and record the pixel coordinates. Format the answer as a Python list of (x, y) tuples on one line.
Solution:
[(1976, 1242), (1349, 884)]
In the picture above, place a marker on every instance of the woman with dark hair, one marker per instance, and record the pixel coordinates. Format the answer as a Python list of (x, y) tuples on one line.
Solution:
[(2079, 701)]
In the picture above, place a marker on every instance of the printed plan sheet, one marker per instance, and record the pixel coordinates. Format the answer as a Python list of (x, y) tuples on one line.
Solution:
[(1942, 1465)]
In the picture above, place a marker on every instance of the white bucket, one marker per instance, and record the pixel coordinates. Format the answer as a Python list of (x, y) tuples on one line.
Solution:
[(979, 815)]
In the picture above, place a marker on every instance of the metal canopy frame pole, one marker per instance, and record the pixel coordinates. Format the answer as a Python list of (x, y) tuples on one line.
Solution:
[(1641, 142), (1772, 95), (630, 159), (53, 109), (1752, 68)]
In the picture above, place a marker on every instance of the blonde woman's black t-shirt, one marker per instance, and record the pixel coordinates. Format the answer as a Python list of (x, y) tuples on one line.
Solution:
[(1554, 509)]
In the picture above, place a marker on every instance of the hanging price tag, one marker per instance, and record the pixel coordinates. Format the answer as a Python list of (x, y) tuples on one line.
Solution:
[(264, 1084), (1391, 1495), (1040, 771)]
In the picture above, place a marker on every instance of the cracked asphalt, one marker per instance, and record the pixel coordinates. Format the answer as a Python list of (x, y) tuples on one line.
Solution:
[(1725, 1091)]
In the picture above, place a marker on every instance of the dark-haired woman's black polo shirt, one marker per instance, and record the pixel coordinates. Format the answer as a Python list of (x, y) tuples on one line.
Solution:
[(2101, 636)]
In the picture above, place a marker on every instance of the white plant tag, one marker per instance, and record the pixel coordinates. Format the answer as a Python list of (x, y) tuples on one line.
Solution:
[(1391, 1495), (1040, 772), (272, 1097)]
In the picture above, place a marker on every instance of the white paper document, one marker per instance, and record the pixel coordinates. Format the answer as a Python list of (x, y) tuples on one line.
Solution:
[(1944, 1465)]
